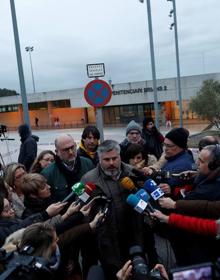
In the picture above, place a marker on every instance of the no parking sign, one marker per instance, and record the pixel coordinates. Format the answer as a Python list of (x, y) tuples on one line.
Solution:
[(97, 93)]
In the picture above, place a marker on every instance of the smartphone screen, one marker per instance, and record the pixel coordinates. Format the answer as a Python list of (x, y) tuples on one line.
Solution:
[(196, 272)]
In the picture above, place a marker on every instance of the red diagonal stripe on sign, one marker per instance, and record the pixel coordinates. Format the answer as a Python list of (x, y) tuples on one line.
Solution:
[(98, 92)]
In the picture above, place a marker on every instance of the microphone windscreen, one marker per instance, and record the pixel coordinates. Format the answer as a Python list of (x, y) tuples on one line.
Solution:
[(78, 188), (127, 184), (142, 194), (155, 191), (150, 185), (132, 200), (89, 188), (136, 203)]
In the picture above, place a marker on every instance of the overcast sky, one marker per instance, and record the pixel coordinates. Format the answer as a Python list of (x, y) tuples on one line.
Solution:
[(69, 34)]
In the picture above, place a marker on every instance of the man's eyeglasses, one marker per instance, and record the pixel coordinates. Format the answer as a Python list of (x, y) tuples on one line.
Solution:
[(169, 146), (72, 148)]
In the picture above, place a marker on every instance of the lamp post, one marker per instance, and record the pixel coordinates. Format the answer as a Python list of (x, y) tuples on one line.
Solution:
[(174, 25), (152, 61), (29, 50), (20, 66)]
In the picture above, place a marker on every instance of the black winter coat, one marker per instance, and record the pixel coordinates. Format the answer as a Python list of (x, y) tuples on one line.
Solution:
[(205, 189), (28, 150), (35, 205), (82, 153), (10, 225), (154, 141)]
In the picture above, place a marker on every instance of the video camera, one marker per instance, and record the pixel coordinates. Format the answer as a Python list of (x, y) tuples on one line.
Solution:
[(3, 130), (140, 267), (199, 271), (22, 265), (164, 175), (160, 175)]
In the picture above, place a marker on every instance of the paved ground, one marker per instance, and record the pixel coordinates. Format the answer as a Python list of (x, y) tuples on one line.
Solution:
[(9, 149)]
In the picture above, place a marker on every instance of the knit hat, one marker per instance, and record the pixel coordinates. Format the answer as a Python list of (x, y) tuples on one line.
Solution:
[(133, 126), (178, 136)]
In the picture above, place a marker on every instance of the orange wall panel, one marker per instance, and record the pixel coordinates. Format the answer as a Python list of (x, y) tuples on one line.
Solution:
[(11, 119), (68, 115), (42, 115)]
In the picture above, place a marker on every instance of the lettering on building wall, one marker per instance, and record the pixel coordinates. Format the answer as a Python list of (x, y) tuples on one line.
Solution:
[(138, 90)]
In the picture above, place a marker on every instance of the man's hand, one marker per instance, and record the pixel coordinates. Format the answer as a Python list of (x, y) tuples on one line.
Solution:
[(86, 209), (95, 221), (165, 188), (167, 202), (125, 272), (147, 171), (162, 270), (140, 164), (73, 208), (55, 208), (160, 216)]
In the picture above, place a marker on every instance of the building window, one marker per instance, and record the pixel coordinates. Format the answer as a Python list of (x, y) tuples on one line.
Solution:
[(8, 108), (124, 114), (61, 103), (37, 106)]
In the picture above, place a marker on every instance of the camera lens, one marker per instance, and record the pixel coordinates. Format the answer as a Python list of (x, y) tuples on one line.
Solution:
[(140, 267)]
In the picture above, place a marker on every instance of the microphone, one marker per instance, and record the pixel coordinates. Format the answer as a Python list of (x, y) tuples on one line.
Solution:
[(151, 187), (185, 175), (128, 184), (77, 189), (137, 203), (90, 187), (84, 197), (142, 194)]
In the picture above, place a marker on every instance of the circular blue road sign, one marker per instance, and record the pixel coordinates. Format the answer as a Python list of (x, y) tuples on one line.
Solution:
[(97, 93)]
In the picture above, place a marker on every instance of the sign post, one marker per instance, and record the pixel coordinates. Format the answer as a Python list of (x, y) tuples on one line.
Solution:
[(99, 123), (97, 94)]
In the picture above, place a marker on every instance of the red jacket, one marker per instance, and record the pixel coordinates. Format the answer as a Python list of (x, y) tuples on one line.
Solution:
[(195, 225)]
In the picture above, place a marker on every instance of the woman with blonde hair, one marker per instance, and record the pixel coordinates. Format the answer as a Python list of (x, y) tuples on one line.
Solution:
[(37, 197), (42, 238), (14, 173)]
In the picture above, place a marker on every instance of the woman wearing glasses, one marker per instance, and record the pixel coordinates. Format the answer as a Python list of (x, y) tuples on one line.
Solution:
[(44, 159)]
